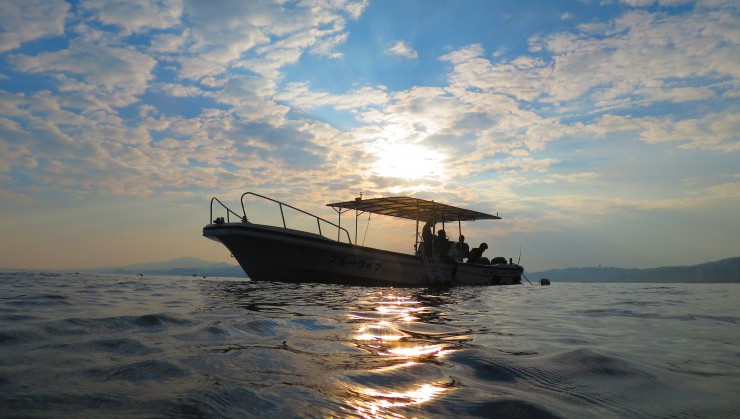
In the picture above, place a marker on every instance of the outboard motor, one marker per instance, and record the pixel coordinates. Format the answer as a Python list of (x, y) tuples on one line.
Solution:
[(498, 260)]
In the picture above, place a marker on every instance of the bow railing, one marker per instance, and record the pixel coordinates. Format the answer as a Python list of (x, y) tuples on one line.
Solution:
[(281, 205)]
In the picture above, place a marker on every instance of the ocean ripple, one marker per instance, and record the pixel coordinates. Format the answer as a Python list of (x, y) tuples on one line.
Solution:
[(93, 345)]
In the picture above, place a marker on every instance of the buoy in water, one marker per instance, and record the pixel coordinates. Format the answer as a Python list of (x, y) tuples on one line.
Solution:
[(544, 281)]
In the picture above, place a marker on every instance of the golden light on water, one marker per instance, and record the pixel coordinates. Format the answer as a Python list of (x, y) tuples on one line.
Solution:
[(381, 331), (385, 401), (404, 313), (418, 351), (422, 394), (378, 332)]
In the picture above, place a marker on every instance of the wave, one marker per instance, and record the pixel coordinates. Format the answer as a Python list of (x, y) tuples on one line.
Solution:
[(148, 370), (84, 326)]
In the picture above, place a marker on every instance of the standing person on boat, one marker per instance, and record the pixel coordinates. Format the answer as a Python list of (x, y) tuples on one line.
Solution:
[(476, 255), (427, 238), (463, 250), (442, 247)]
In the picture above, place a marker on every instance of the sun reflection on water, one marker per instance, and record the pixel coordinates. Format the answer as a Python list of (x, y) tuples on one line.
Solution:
[(387, 400), (419, 351), (382, 330)]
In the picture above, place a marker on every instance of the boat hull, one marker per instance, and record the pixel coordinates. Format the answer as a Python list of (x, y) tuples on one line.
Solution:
[(268, 253)]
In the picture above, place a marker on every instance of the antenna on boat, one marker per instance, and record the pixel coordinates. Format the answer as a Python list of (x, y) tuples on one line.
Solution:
[(520, 255)]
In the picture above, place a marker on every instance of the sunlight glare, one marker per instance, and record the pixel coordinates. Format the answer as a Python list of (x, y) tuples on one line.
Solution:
[(417, 351), (409, 161), (383, 401)]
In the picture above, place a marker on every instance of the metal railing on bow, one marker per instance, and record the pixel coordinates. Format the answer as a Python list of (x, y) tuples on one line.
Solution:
[(228, 213), (281, 205)]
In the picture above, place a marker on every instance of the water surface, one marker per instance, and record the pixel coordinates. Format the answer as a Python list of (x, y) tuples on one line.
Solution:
[(90, 345)]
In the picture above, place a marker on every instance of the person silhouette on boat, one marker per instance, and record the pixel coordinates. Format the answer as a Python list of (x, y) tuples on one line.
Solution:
[(442, 244), (476, 255), (427, 238), (461, 250)]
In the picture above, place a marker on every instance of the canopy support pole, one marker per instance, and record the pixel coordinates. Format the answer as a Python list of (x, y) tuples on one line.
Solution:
[(339, 215), (416, 238), (339, 211)]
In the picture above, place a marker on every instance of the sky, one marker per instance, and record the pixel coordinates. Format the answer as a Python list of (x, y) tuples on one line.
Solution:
[(602, 132)]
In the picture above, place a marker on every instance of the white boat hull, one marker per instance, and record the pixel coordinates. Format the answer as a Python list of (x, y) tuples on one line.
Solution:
[(268, 253)]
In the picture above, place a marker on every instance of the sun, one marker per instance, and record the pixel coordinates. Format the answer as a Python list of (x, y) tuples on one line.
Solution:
[(408, 161)]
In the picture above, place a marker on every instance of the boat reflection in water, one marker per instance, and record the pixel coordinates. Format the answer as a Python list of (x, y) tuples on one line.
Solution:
[(395, 330)]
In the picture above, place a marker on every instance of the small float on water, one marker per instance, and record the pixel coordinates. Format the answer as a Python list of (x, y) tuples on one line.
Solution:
[(279, 253)]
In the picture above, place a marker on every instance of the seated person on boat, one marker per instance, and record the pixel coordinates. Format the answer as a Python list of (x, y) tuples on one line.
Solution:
[(460, 250), (476, 255), (442, 243)]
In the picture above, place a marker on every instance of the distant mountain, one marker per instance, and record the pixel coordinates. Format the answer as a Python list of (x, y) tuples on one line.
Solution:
[(179, 267), (726, 270)]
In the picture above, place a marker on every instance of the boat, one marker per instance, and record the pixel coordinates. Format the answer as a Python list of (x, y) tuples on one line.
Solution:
[(329, 255)]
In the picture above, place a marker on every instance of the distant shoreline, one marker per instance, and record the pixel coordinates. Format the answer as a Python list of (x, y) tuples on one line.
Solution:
[(721, 271)]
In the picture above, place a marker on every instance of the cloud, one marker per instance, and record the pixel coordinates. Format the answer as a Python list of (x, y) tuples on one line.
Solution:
[(235, 34), (640, 55), (646, 3), (299, 95), (638, 3), (250, 97), (523, 78), (576, 204), (630, 62), (138, 16), (179, 90), (713, 132), (118, 73), (576, 176), (288, 144), (168, 43), (26, 20), (726, 190), (54, 148), (497, 115), (401, 49)]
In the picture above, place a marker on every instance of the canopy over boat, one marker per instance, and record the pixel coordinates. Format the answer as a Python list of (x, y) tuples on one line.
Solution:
[(413, 209)]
